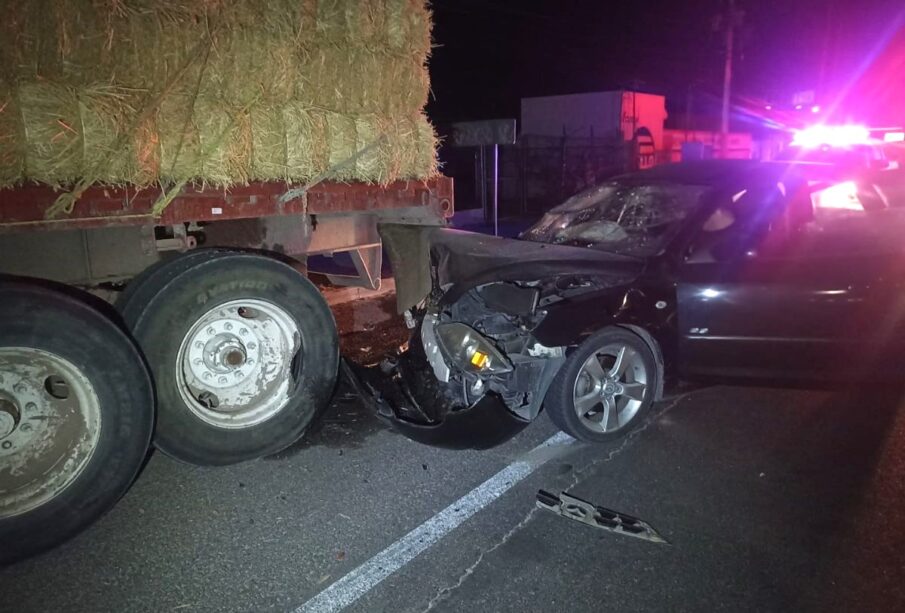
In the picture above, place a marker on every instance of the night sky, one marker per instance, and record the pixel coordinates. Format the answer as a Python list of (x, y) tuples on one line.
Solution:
[(493, 52)]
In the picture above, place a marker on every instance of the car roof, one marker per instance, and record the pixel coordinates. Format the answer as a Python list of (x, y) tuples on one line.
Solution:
[(726, 173)]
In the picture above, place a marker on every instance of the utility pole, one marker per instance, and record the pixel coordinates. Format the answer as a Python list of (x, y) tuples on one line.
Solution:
[(727, 76)]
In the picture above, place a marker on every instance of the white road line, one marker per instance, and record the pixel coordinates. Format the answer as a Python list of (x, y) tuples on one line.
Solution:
[(360, 581)]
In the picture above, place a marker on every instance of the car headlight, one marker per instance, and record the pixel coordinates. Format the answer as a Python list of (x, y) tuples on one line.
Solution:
[(470, 350)]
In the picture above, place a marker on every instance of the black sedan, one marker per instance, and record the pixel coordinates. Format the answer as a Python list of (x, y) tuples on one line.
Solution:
[(707, 269)]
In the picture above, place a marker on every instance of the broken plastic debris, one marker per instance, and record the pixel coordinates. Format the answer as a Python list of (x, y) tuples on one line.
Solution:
[(583, 511)]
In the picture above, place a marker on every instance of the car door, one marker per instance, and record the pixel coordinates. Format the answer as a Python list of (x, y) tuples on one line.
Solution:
[(795, 291)]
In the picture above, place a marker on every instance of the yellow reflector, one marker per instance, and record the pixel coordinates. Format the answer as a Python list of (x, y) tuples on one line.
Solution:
[(480, 359)]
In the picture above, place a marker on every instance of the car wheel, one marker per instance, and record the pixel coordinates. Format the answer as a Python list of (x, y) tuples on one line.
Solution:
[(76, 415), (244, 353), (605, 387)]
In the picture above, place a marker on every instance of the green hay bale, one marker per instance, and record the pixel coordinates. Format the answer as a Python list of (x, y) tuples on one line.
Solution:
[(212, 145), (361, 82), (240, 147), (53, 132), (223, 159), (253, 66), (180, 141), (412, 145), (408, 26), (342, 137), (425, 164), (217, 91), (370, 138), (268, 162), (307, 142), (107, 117), (12, 151)]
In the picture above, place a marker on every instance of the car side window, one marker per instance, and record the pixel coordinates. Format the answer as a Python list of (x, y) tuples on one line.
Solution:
[(801, 224), (831, 223), (738, 225)]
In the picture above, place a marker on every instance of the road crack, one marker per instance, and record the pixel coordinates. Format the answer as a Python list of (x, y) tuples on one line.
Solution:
[(445, 591)]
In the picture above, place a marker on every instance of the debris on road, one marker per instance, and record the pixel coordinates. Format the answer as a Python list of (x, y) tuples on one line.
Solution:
[(598, 517)]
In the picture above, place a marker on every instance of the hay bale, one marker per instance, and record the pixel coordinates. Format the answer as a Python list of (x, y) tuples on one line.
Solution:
[(268, 144), (52, 127), (216, 91), (408, 27), (307, 142), (12, 155), (370, 136), (342, 136)]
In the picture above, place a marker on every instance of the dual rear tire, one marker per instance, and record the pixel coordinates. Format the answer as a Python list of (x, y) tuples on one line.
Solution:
[(76, 415), (243, 349)]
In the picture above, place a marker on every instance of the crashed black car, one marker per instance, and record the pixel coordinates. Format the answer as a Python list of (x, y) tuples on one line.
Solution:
[(715, 269)]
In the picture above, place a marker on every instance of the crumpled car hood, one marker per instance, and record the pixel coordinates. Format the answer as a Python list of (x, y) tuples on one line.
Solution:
[(466, 259)]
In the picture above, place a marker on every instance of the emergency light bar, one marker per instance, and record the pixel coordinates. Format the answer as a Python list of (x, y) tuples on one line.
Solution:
[(821, 135)]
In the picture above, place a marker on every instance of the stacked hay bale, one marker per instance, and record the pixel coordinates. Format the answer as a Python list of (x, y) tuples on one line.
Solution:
[(221, 92)]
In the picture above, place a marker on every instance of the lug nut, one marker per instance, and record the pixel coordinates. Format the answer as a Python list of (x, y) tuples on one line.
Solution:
[(210, 330), (6, 444), (242, 331), (252, 346), (222, 379), (199, 345), (31, 406), (228, 326), (26, 427), (19, 388), (207, 375)]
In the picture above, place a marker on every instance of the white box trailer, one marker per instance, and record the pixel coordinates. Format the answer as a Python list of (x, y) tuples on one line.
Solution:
[(599, 114)]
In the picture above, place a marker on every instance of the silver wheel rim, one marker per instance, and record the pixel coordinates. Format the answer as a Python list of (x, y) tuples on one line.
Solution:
[(610, 388), (50, 423), (234, 365)]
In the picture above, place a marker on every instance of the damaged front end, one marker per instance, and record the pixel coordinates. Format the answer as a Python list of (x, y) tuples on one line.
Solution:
[(475, 373), (464, 385)]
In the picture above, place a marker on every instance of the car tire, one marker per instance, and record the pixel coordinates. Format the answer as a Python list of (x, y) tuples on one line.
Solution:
[(222, 334), (598, 396), (76, 415)]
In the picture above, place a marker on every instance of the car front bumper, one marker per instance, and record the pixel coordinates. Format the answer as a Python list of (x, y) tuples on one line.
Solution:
[(409, 397)]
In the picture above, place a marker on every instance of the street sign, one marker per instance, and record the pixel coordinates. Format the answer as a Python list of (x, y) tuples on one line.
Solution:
[(480, 133)]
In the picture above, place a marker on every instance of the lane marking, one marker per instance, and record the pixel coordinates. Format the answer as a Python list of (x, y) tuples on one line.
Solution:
[(363, 579)]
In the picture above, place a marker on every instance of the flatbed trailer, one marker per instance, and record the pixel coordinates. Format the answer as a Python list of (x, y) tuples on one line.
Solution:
[(219, 349)]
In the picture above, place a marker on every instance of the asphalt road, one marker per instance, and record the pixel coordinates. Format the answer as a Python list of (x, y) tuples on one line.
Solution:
[(771, 500)]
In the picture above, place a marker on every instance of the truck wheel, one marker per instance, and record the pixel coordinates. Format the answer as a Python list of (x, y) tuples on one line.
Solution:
[(244, 352), (144, 286), (76, 415)]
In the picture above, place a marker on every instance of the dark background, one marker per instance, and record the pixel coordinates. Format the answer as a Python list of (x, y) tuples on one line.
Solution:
[(490, 53)]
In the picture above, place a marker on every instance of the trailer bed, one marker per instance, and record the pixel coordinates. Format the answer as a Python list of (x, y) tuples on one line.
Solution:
[(23, 208)]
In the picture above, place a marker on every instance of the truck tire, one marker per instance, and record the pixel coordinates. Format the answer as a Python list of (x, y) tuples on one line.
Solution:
[(244, 351), (144, 286), (76, 416)]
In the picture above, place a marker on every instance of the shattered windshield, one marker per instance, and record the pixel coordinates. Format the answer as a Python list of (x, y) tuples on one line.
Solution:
[(630, 219)]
